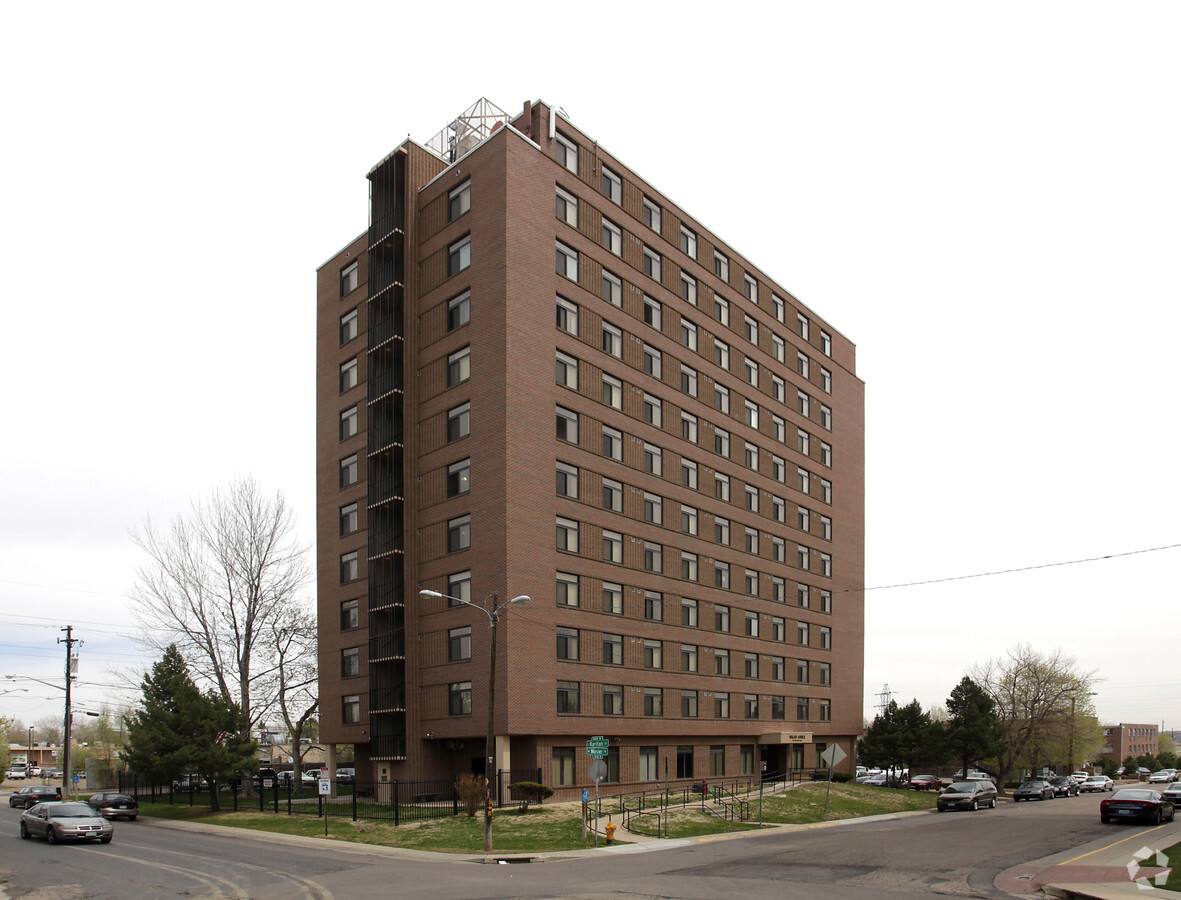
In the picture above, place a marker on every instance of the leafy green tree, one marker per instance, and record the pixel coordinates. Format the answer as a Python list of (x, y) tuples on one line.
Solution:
[(1130, 764), (1167, 758), (1110, 766), (974, 732), (5, 732), (901, 737), (1148, 761), (178, 730)]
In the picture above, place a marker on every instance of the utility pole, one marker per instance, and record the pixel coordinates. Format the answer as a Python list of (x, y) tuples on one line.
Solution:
[(69, 641)]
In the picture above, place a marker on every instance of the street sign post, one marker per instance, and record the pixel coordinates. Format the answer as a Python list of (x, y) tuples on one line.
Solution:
[(833, 755), (596, 749)]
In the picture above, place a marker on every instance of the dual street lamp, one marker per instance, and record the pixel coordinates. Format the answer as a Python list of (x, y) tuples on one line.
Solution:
[(492, 610)]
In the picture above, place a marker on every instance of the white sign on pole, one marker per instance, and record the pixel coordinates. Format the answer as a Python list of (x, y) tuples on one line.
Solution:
[(325, 787), (833, 755)]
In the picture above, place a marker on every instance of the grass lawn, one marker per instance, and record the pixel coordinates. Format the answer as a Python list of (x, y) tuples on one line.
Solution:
[(556, 827), (1174, 855)]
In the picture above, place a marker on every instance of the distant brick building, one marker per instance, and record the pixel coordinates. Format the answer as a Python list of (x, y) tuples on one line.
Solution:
[(538, 375), (1121, 741)]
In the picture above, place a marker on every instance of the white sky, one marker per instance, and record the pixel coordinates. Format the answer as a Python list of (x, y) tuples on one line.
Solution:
[(983, 197)]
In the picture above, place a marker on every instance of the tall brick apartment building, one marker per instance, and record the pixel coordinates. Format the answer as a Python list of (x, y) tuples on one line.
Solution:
[(536, 374)]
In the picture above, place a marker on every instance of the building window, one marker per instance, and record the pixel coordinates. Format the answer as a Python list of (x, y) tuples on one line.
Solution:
[(562, 766), (721, 706), (567, 643), (649, 764), (826, 453), (688, 613), (348, 375), (722, 442), (459, 366), (751, 624), (654, 606), (778, 388), (567, 315), (802, 671), (652, 215), (688, 711), (721, 662), (459, 311), (567, 534), (751, 287), (566, 424), (825, 710), (566, 153), (826, 528), (653, 655), (652, 312), (826, 416), (688, 658), (722, 531), (349, 276), (459, 644), (350, 567), (778, 629), (566, 589), (689, 473), (825, 637), (652, 360), (752, 540), (802, 632), (612, 186), (348, 326), (688, 519), (348, 423), (750, 706), (689, 334), (566, 371), (459, 533), (567, 261), (459, 201), (777, 708), (459, 478), (826, 490), (349, 519), (611, 237), (802, 709), (653, 508), (612, 598), (459, 256), (612, 495), (826, 380), (653, 460), (688, 242), (350, 662), (752, 498), (689, 288), (779, 509), (350, 709), (653, 557), (722, 354), (722, 575), (613, 649), (803, 403), (722, 310), (567, 480), (803, 557), (566, 207), (459, 422), (612, 443), (751, 330), (613, 699), (778, 589), (459, 698), (752, 372), (826, 601), (778, 549), (802, 441), (777, 307), (653, 702), (722, 486), (612, 290), (802, 325), (826, 343), (721, 266), (612, 341), (802, 480), (721, 398), (350, 614), (688, 426), (651, 263), (802, 596), (751, 414), (653, 411), (613, 546), (826, 565)]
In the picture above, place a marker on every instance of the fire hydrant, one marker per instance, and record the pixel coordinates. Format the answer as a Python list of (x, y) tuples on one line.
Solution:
[(610, 829)]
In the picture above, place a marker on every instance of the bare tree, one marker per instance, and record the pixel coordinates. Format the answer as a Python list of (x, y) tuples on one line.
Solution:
[(296, 682), (215, 584), (1039, 700)]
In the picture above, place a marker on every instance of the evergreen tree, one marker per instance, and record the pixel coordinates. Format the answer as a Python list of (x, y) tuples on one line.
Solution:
[(902, 737), (178, 730), (973, 730)]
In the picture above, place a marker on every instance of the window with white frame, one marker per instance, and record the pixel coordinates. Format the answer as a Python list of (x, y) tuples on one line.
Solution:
[(459, 533), (567, 531), (689, 380), (459, 366), (778, 348), (752, 498), (349, 374), (722, 575), (751, 536), (459, 255), (612, 443), (348, 423), (751, 286), (778, 428), (689, 334), (652, 312), (612, 186), (612, 340), (825, 637), (612, 392), (751, 582), (459, 422), (802, 364), (349, 276), (722, 442), (826, 565), (722, 711), (651, 263), (802, 480), (803, 556), (566, 370), (803, 596), (722, 531), (778, 549), (722, 354), (349, 326), (612, 546), (567, 480), (778, 468), (826, 416), (652, 215), (653, 413), (802, 325), (567, 425), (803, 403), (689, 427), (778, 509), (826, 453), (653, 459), (802, 441), (689, 288), (751, 414), (613, 603), (722, 309), (611, 288), (722, 486), (688, 565), (566, 207), (826, 528), (459, 311), (689, 473), (612, 237), (826, 343), (612, 495), (778, 589), (688, 242), (777, 307), (653, 508), (826, 490), (722, 624), (751, 456), (751, 370), (613, 649), (688, 657), (459, 478), (804, 519), (721, 265), (688, 519), (750, 329), (826, 380), (566, 153), (653, 654), (778, 629), (826, 601), (778, 388), (350, 518), (652, 361), (567, 261), (566, 315), (751, 665), (654, 606), (567, 643)]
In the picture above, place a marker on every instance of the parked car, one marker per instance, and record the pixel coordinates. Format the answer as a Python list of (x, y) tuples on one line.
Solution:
[(1065, 786), (1080, 776), (967, 795), (925, 783), (346, 776), (1097, 783), (31, 795), (190, 783), (58, 822), (1033, 790), (1172, 792), (1163, 776), (1137, 803), (34, 771), (51, 774), (114, 806), (16, 772)]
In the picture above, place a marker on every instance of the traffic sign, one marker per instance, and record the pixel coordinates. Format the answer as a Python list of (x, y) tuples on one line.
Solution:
[(596, 747), (597, 771), (833, 755)]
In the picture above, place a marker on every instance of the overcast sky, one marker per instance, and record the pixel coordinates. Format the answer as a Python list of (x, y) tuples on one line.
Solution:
[(983, 197)]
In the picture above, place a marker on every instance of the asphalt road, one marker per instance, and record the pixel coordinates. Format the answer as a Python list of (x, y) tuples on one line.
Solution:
[(954, 853)]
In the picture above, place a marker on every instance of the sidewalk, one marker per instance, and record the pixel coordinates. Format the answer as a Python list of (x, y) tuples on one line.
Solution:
[(1102, 869)]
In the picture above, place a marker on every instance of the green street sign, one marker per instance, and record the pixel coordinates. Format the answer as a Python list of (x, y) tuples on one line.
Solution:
[(596, 747)]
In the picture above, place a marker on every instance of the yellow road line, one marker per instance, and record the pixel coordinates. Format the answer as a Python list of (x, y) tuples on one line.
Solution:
[(1109, 846)]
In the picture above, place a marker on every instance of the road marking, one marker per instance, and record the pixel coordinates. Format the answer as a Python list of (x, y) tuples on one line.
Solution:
[(1109, 846), (218, 886)]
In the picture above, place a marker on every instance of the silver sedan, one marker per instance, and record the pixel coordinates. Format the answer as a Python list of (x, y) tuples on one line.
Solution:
[(59, 822)]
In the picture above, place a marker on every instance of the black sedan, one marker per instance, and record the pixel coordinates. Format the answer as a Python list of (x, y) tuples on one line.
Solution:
[(114, 806), (1137, 803), (1033, 790), (58, 822), (1064, 786), (967, 795), (31, 795)]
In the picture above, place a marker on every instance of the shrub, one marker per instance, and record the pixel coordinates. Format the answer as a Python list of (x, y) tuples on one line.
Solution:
[(472, 790), (841, 776), (532, 791)]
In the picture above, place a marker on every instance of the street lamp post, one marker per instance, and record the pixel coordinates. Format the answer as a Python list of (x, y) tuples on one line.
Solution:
[(492, 611)]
